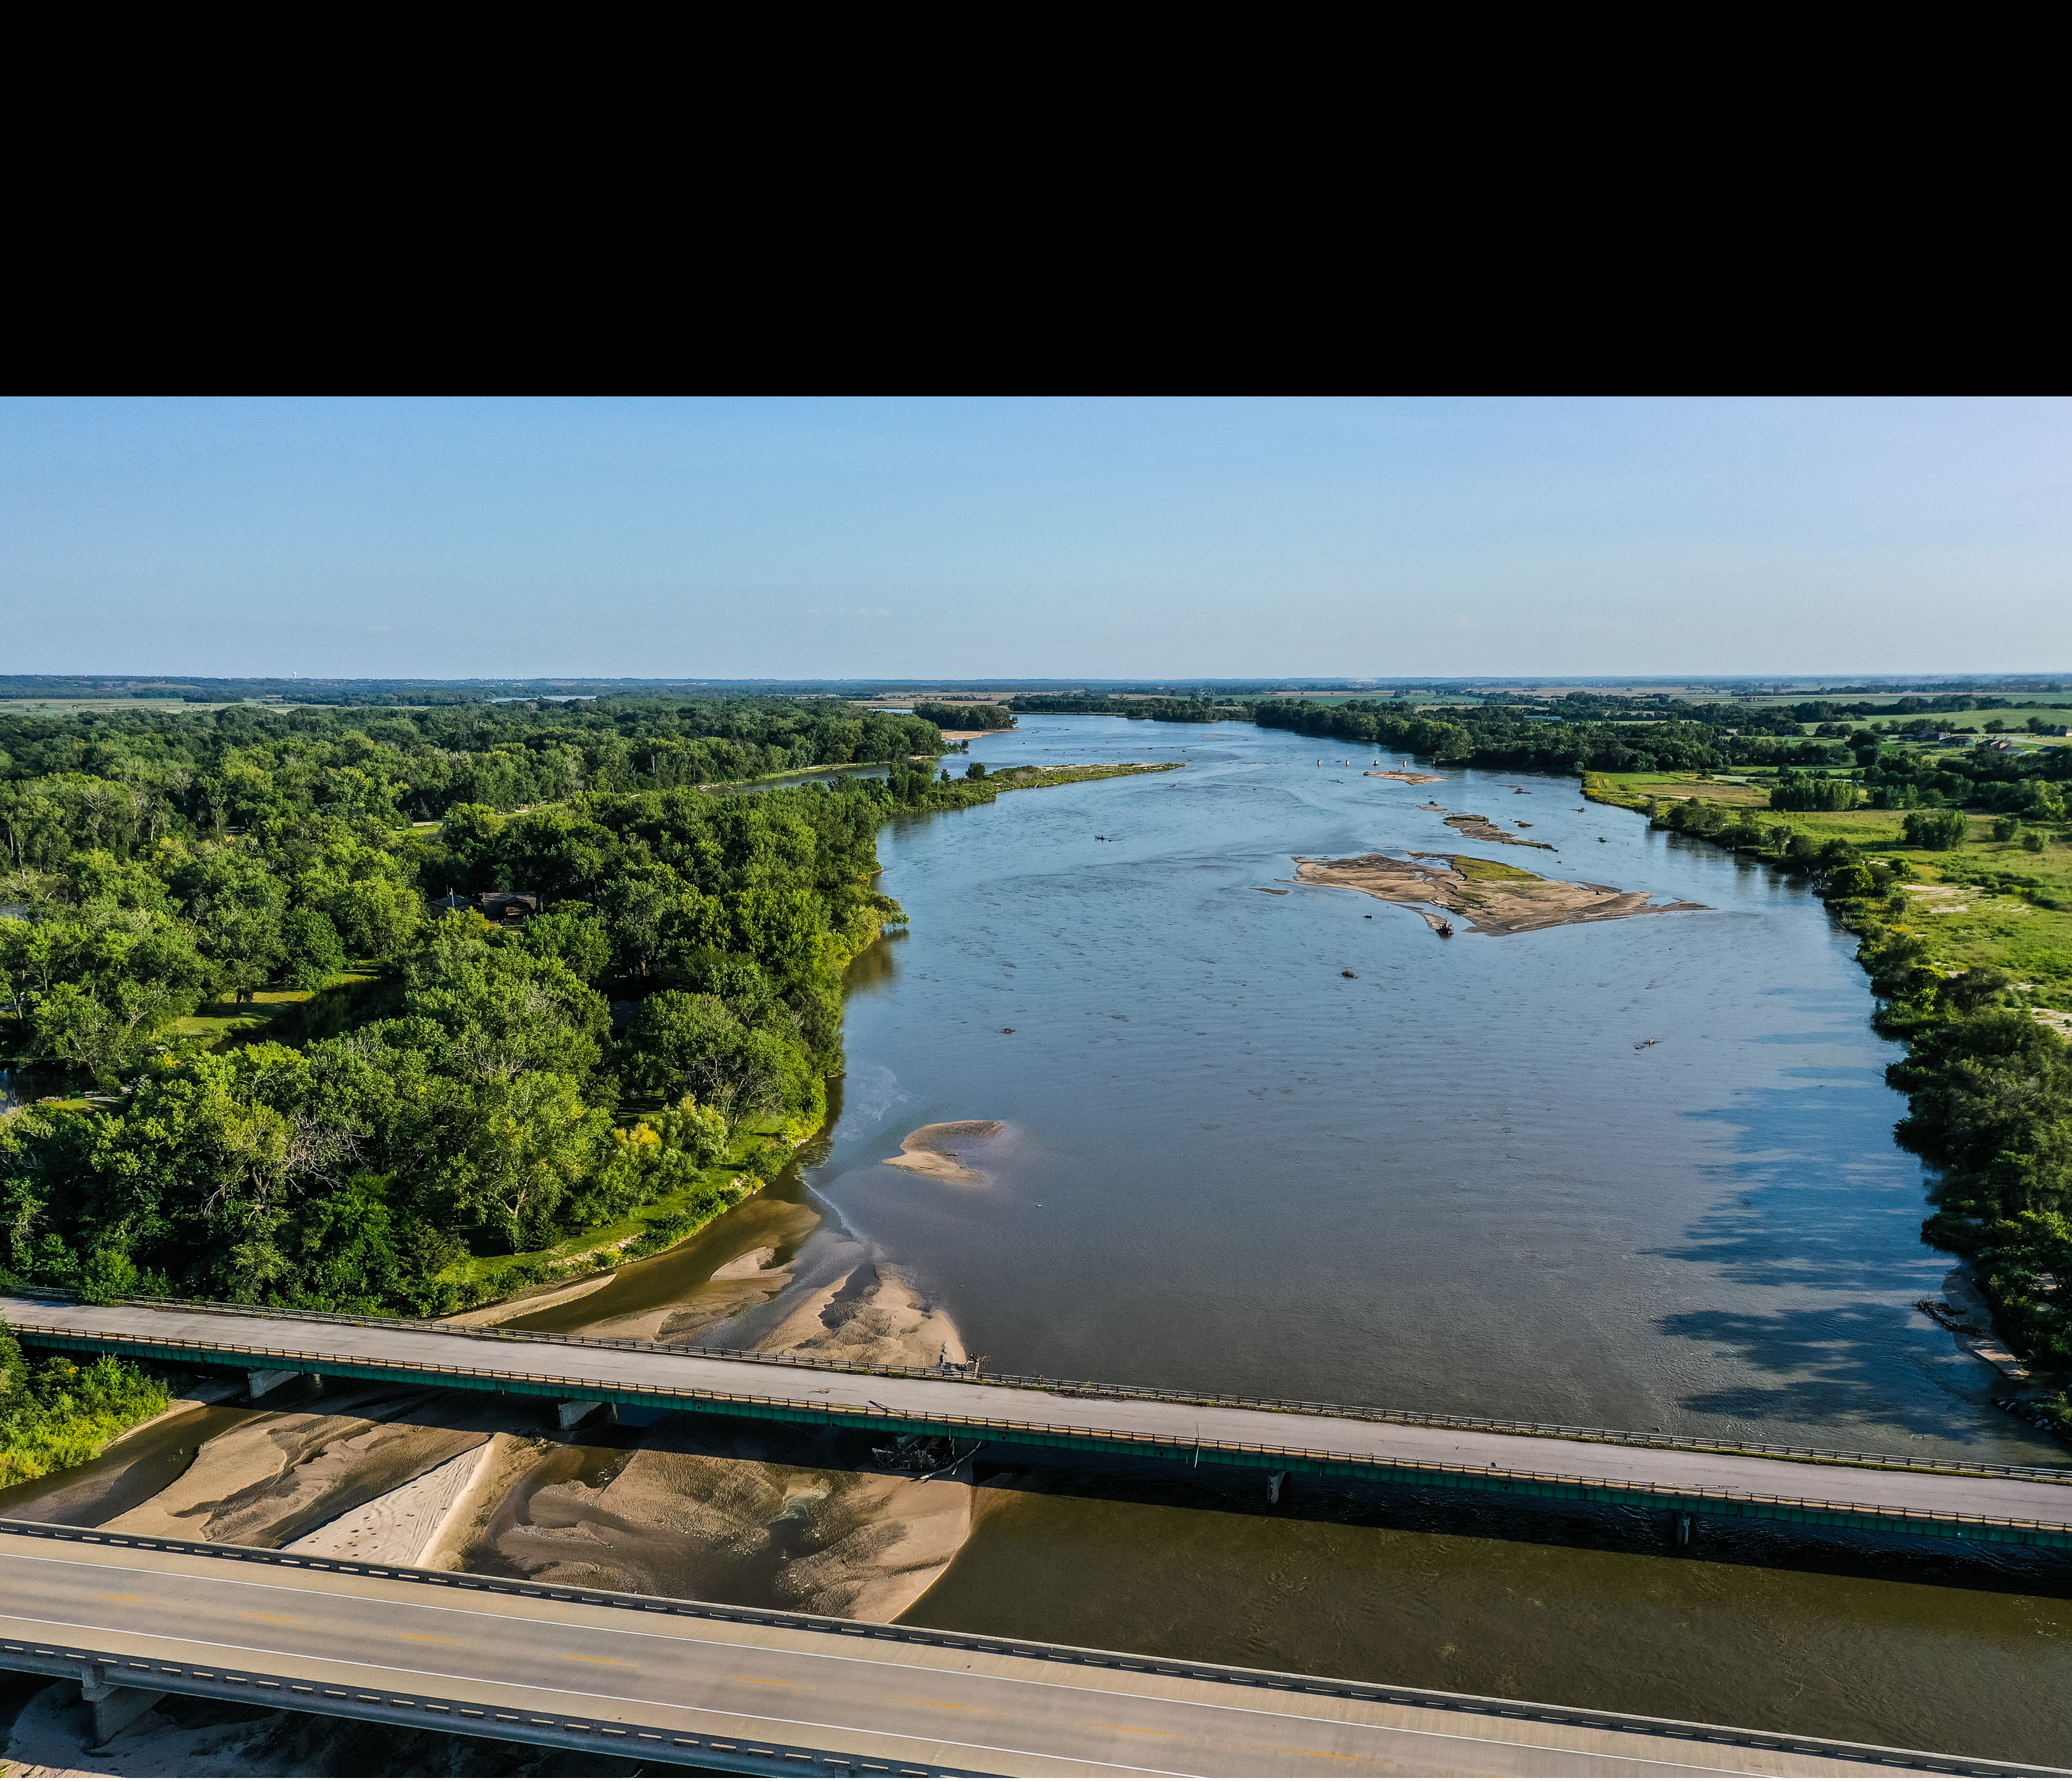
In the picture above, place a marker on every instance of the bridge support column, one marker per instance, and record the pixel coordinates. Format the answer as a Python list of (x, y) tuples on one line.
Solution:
[(570, 1411), (114, 1705), (265, 1379)]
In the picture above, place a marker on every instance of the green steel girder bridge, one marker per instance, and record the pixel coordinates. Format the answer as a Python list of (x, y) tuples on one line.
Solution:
[(1946, 1497)]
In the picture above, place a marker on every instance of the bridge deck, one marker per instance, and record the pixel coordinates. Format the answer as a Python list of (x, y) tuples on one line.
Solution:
[(775, 1693), (2028, 1506)]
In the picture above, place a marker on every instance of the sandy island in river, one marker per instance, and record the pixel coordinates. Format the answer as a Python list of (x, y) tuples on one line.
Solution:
[(1481, 829), (1490, 896), (1408, 779), (927, 1152)]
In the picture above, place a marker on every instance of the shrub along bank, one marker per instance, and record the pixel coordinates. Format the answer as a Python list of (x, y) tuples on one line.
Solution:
[(63, 1413)]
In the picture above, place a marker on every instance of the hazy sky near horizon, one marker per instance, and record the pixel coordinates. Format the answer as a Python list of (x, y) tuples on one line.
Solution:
[(741, 538)]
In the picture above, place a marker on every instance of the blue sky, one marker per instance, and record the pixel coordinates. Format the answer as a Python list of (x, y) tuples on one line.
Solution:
[(1025, 538)]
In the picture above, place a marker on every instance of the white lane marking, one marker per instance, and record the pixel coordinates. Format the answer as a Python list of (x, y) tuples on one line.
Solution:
[(833, 1657), (621, 1699), (995, 1750)]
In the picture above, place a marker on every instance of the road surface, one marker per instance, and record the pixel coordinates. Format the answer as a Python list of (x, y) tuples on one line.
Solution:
[(2023, 1505), (774, 1693)]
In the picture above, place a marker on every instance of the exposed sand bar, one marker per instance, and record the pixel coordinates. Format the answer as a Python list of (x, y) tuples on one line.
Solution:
[(1408, 779), (275, 1478), (1481, 829), (1491, 897), (398, 1527), (928, 1150)]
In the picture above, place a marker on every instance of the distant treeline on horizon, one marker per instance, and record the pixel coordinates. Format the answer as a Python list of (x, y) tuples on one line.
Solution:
[(1026, 695)]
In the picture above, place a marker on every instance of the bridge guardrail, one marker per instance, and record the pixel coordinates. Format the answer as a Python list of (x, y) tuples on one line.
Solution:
[(1623, 1437), (1694, 1497), (1282, 1681)]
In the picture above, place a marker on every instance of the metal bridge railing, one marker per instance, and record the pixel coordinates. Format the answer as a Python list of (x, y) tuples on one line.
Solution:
[(1011, 1430), (879, 1633), (1092, 1389)]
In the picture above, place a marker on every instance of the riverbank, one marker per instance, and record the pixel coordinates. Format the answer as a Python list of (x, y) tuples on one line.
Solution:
[(489, 1283), (1957, 940), (61, 1413)]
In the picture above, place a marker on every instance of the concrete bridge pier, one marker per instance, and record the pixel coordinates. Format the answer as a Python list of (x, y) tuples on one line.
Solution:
[(265, 1379), (115, 1706), (570, 1411)]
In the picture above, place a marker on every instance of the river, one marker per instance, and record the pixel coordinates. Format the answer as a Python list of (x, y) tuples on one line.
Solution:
[(1459, 1180)]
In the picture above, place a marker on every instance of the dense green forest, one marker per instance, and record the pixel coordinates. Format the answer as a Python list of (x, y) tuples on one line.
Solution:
[(1160, 710), (684, 959), (965, 717), (1592, 734)]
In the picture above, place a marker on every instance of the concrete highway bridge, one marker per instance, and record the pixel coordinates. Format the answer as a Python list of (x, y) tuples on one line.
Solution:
[(753, 1691), (749, 1691), (1685, 1478)]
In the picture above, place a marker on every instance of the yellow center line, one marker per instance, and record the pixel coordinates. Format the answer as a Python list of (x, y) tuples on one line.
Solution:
[(1328, 1756), (767, 1684), (1146, 1731), (577, 1657), (122, 1599), (289, 1617), (427, 1638), (922, 1701)]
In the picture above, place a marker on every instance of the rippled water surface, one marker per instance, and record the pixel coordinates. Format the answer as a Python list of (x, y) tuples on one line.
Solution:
[(1458, 1180)]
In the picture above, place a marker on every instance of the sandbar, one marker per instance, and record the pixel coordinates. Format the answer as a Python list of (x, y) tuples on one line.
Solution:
[(1481, 829), (1491, 897), (927, 1151), (1408, 779)]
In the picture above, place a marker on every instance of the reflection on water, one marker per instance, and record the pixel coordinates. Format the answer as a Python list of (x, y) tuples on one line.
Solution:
[(1458, 1180), (1883, 1656), (24, 1084)]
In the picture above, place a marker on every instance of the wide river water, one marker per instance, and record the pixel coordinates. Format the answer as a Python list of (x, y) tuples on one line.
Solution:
[(1460, 1180)]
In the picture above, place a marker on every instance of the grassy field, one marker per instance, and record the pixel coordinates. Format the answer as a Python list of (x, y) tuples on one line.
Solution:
[(1635, 789), (223, 1018), (2016, 722), (1026, 779), (1997, 924)]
